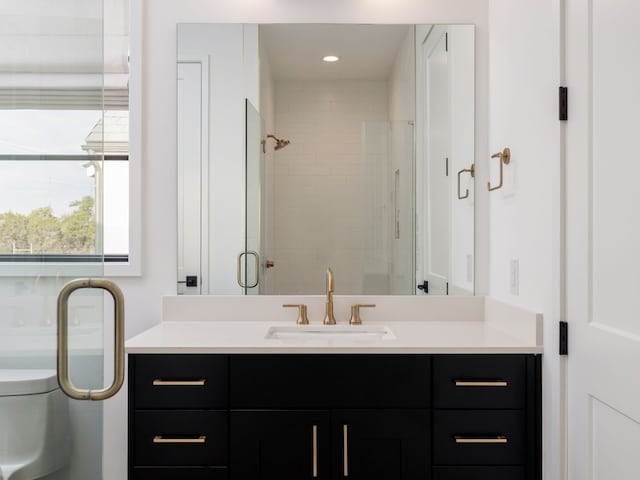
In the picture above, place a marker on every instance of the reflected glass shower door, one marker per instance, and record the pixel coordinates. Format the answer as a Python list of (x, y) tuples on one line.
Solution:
[(51, 168), (254, 266)]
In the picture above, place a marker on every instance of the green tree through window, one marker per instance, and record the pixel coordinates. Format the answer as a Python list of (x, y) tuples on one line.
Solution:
[(41, 232)]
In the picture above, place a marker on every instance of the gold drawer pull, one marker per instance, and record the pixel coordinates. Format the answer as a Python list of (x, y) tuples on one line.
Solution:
[(314, 467), (161, 439), (473, 440), (158, 382), (345, 450), (496, 383)]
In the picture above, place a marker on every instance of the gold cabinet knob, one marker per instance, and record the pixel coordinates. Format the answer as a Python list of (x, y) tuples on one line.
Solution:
[(302, 313), (269, 264), (355, 312)]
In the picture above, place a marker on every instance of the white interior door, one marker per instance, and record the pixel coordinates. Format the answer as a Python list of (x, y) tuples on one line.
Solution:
[(602, 238), (437, 152)]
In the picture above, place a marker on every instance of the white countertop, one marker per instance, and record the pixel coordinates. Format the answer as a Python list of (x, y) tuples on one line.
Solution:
[(249, 337), (495, 328)]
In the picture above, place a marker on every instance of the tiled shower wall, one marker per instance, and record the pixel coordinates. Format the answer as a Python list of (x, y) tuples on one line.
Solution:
[(318, 181)]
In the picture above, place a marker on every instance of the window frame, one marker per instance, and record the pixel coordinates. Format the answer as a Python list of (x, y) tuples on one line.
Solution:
[(133, 266)]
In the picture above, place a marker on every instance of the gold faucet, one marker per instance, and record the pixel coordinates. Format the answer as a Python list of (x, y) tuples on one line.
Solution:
[(329, 319)]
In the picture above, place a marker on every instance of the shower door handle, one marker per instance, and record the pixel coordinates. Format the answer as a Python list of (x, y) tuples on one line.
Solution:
[(256, 256), (63, 339)]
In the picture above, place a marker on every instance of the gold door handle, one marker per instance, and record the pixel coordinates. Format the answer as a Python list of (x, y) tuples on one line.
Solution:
[(163, 439), (345, 450), (63, 339), (468, 383), (158, 382), (314, 439), (481, 440), (472, 171), (505, 158)]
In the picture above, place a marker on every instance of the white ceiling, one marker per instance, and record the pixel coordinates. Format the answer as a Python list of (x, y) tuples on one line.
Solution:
[(295, 51)]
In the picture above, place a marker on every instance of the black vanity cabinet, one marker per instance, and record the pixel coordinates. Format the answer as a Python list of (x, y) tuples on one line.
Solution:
[(334, 417), (324, 416), (178, 417)]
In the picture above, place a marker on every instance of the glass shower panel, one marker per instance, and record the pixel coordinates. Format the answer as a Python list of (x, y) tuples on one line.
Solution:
[(254, 267), (51, 105), (388, 179)]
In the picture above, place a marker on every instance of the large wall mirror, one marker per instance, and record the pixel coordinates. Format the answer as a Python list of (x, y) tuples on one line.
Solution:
[(353, 146)]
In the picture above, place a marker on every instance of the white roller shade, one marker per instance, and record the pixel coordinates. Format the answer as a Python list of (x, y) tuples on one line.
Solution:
[(52, 59)]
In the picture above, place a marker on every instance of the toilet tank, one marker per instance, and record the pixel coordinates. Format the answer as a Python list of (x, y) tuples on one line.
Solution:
[(34, 422)]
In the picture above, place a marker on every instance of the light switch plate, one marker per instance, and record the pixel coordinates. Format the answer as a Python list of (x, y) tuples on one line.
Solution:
[(514, 276)]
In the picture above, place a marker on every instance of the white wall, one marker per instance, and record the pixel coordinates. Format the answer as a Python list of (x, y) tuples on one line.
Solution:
[(525, 214), (158, 56), (318, 181)]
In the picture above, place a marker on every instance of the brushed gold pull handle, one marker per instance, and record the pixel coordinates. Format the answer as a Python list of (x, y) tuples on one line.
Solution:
[(163, 439), (314, 466), (481, 440), (64, 380), (472, 171), (505, 158), (302, 313), (469, 383), (158, 382), (345, 450)]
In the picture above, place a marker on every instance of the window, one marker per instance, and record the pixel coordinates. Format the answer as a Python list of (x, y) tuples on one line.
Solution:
[(68, 187), (57, 191)]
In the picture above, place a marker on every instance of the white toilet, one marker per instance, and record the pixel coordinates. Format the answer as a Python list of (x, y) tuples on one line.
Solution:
[(34, 424)]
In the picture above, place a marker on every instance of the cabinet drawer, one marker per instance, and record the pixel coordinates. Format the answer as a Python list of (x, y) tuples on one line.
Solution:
[(180, 473), (180, 437), (180, 381), (479, 381), (330, 381), (479, 473), (479, 437)]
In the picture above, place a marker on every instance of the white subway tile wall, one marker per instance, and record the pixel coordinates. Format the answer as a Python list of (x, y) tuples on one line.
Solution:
[(319, 208)]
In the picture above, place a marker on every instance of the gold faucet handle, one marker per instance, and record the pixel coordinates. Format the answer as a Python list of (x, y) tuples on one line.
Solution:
[(355, 312), (302, 313)]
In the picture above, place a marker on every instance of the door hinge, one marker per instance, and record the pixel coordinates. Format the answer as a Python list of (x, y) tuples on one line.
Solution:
[(446, 42), (447, 288), (564, 339), (563, 103), (446, 166), (424, 286)]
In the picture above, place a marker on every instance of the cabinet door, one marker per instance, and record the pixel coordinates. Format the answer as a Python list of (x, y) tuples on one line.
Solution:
[(381, 444), (280, 445)]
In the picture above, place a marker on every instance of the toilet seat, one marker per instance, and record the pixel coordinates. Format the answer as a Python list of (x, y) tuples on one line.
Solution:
[(27, 381)]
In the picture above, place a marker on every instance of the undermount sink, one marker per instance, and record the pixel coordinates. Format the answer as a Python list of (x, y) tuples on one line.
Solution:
[(331, 332)]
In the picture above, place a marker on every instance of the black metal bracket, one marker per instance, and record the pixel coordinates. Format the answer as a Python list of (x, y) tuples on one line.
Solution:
[(563, 103), (564, 338)]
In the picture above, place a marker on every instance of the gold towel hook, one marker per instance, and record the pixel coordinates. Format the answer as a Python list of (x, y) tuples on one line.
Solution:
[(472, 171), (505, 158)]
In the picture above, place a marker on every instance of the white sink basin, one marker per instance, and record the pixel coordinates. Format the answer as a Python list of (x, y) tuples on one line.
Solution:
[(331, 332)]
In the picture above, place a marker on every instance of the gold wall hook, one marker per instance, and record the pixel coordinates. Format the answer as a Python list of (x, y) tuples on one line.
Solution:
[(505, 158), (472, 171)]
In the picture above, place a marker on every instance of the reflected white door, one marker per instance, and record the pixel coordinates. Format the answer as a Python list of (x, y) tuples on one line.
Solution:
[(602, 238), (438, 189)]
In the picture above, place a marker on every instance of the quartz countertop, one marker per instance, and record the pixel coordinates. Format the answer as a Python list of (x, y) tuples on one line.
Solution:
[(487, 326)]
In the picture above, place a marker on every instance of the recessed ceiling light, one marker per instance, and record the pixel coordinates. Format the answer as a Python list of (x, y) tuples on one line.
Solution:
[(330, 58)]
